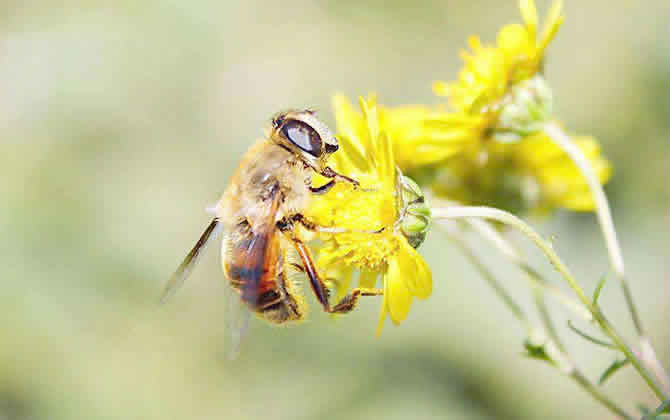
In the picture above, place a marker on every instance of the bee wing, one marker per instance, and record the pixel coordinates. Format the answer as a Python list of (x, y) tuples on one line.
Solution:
[(191, 259), (236, 322), (250, 253)]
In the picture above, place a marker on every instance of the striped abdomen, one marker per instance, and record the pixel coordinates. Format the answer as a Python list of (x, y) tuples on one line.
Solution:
[(254, 265)]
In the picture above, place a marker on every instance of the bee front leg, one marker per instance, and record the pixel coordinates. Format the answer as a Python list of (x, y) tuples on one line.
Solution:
[(309, 225), (330, 173)]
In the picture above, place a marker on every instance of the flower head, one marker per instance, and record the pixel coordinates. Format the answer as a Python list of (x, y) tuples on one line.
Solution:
[(416, 142), (490, 70), (501, 103), (384, 217), (532, 175)]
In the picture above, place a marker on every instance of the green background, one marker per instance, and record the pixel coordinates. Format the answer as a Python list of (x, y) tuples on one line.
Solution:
[(121, 121)]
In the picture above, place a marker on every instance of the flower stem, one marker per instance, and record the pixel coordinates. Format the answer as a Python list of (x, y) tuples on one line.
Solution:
[(595, 393), (491, 235), (562, 140), (546, 247), (554, 344), (572, 370), (603, 212), (498, 288)]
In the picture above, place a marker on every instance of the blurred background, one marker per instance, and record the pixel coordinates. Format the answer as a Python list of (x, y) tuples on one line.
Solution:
[(120, 122)]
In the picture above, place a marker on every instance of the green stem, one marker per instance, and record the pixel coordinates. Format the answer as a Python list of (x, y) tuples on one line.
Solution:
[(591, 389), (546, 247), (498, 288), (555, 345), (555, 132), (491, 235), (562, 140)]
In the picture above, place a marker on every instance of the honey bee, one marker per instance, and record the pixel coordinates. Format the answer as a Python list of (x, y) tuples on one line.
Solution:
[(259, 213)]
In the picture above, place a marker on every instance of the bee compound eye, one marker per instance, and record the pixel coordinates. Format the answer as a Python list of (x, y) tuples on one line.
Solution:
[(303, 136)]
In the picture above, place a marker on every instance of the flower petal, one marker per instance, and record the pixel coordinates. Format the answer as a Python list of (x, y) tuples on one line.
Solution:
[(369, 108), (529, 14), (515, 42), (442, 88), (350, 159), (350, 123), (554, 21), (417, 275), (397, 294)]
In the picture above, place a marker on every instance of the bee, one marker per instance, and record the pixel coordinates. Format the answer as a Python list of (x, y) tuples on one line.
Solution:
[(260, 212)]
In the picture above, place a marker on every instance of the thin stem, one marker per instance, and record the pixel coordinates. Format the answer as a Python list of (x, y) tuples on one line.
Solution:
[(555, 345), (498, 288), (573, 371), (591, 389), (491, 235), (604, 214), (548, 250), (574, 305)]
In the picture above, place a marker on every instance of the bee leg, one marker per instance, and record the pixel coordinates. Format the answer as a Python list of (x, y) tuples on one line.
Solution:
[(318, 286), (349, 302), (330, 173), (324, 188), (309, 225)]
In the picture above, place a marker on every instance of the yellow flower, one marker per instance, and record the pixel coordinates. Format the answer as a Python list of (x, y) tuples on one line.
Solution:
[(501, 104), (562, 184), (416, 142), (377, 244), (532, 175), (490, 71)]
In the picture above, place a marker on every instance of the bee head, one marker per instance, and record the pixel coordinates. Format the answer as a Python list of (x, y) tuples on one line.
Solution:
[(305, 135)]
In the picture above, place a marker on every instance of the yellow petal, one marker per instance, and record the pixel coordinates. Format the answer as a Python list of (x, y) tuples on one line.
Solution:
[(475, 43), (385, 161), (554, 21), (369, 108), (417, 275), (529, 14), (350, 123), (350, 159), (442, 88), (515, 42), (396, 292)]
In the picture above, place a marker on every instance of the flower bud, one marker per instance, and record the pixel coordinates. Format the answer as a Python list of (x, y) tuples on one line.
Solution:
[(524, 110), (415, 218)]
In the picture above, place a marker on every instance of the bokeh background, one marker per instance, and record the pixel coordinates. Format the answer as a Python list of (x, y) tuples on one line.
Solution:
[(121, 121)]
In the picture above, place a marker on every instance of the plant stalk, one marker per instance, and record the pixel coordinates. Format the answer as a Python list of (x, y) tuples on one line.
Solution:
[(554, 342), (604, 214), (546, 247)]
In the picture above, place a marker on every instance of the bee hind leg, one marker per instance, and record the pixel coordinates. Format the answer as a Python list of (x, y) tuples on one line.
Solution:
[(324, 188), (318, 286), (349, 302)]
